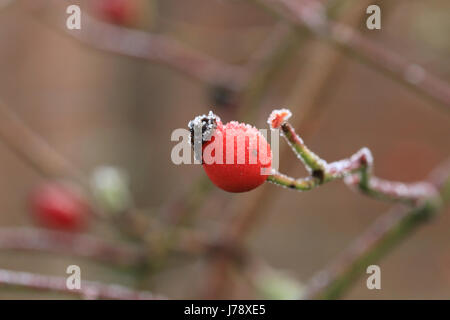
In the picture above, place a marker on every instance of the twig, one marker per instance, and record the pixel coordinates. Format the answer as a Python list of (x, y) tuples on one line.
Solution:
[(357, 170), (271, 43), (59, 242), (154, 48), (169, 235), (226, 81), (88, 290), (381, 237), (311, 18), (157, 49), (35, 150)]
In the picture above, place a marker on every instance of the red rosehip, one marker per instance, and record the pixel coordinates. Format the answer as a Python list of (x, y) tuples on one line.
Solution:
[(58, 206), (235, 156), (120, 12)]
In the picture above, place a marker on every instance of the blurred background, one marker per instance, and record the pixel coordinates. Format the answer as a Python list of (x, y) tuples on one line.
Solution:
[(100, 108)]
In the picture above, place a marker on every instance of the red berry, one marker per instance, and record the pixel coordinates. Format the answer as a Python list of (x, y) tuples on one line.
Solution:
[(120, 12), (58, 206), (235, 156)]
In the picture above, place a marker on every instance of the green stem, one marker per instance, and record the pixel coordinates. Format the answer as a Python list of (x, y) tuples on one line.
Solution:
[(309, 158), (305, 184), (356, 170)]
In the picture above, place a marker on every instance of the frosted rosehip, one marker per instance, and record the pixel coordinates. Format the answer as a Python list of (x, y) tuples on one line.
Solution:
[(235, 156), (59, 206)]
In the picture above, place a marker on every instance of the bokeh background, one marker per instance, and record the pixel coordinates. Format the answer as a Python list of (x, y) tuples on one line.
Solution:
[(99, 108)]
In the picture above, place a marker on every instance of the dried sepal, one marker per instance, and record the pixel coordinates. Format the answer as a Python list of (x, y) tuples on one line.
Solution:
[(278, 117)]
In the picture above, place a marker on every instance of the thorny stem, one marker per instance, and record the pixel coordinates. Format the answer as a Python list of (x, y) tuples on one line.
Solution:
[(357, 170), (88, 290), (71, 244), (386, 232)]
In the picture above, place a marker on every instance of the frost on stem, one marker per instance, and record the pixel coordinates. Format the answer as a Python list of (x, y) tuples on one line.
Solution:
[(362, 160), (313, 163), (356, 170)]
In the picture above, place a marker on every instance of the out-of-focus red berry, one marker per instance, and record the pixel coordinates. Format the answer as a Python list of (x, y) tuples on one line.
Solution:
[(58, 206), (120, 12)]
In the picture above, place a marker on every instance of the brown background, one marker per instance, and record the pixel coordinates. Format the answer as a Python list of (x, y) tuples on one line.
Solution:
[(98, 108)]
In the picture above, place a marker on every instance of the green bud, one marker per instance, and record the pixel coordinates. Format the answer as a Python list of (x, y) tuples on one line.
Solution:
[(110, 186), (276, 285)]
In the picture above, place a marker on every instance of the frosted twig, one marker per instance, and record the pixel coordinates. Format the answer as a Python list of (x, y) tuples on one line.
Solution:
[(88, 290), (309, 16), (158, 49), (150, 47), (357, 170), (33, 239), (226, 81)]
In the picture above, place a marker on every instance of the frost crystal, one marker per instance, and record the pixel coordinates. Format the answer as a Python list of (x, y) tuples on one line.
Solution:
[(203, 126), (365, 156), (278, 117)]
